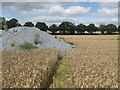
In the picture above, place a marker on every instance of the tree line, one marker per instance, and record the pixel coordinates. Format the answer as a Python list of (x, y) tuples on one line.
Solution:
[(63, 28)]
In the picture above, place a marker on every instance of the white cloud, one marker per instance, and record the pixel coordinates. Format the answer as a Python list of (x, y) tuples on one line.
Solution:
[(45, 8), (107, 12), (27, 6), (56, 10), (46, 1), (60, 14), (61, 1), (57, 20), (7, 19), (108, 4), (114, 20), (75, 10), (103, 0)]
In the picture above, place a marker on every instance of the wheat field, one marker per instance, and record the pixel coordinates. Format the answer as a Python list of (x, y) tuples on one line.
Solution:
[(92, 64), (28, 68)]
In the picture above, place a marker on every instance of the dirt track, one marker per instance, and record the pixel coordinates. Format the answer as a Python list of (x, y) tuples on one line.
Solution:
[(93, 64)]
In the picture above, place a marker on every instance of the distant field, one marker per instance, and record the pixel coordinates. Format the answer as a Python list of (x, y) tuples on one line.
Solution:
[(93, 64), (28, 69)]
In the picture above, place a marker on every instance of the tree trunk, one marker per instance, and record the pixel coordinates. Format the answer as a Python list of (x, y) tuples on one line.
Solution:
[(90, 32), (53, 33), (102, 32), (81, 32)]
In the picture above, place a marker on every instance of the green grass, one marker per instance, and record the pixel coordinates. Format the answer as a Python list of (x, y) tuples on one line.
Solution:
[(56, 37), (62, 38), (62, 69), (28, 46), (12, 45), (106, 39), (103, 39), (113, 39), (71, 43), (60, 80), (60, 57)]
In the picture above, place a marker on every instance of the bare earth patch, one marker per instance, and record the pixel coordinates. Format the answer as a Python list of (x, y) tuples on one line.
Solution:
[(93, 64), (28, 69)]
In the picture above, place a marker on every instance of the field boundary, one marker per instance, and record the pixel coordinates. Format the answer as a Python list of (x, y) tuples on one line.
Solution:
[(55, 68)]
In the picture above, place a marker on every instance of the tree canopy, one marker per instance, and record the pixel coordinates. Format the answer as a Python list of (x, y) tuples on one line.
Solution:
[(53, 28), (67, 28), (119, 28), (12, 23), (102, 28), (29, 24), (42, 26), (63, 27), (91, 28), (81, 28), (111, 28), (2, 22)]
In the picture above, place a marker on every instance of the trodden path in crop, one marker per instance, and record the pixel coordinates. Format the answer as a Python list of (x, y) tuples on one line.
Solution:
[(93, 64)]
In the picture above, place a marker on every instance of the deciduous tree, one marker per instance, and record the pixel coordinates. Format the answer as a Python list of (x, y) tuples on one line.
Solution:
[(42, 26), (81, 28), (91, 28), (29, 24), (102, 28), (111, 28), (53, 28), (12, 23)]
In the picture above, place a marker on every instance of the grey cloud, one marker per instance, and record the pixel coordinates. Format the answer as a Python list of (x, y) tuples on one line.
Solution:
[(52, 8), (108, 4), (61, 1), (26, 6), (46, 1)]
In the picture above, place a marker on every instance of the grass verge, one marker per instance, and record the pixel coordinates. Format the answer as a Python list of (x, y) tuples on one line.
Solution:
[(71, 43), (60, 78), (28, 46), (114, 39)]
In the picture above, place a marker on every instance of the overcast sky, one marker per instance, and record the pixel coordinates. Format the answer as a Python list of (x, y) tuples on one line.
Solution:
[(60, 1), (56, 12)]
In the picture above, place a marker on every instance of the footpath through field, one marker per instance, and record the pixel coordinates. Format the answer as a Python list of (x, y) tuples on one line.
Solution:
[(93, 64)]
